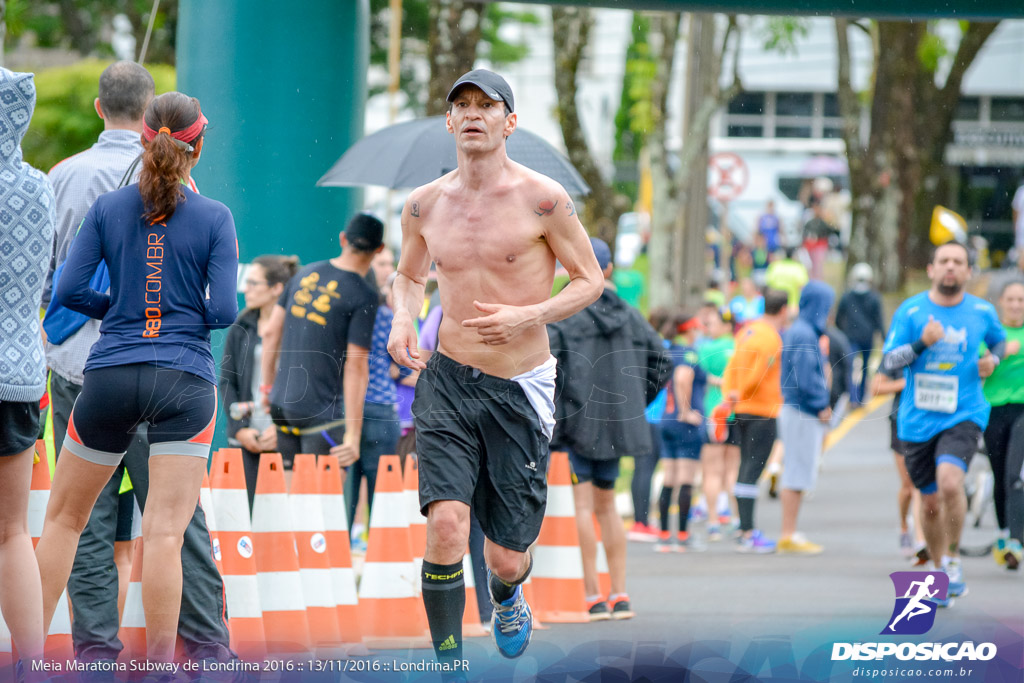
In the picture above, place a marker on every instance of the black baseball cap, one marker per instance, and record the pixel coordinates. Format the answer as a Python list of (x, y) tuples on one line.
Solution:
[(493, 85), (365, 232)]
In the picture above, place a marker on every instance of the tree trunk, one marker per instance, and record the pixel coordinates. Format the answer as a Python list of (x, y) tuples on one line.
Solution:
[(664, 204), (677, 272), (898, 175), (78, 31), (604, 206), (455, 30)]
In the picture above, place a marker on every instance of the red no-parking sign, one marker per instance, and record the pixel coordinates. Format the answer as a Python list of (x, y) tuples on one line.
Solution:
[(728, 176)]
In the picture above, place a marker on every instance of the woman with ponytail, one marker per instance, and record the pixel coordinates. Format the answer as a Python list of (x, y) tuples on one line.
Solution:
[(173, 261)]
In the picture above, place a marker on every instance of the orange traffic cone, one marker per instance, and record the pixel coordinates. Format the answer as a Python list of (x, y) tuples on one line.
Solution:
[(343, 577), (471, 626), (604, 577), (277, 562), (392, 615), (58, 643), (206, 503), (231, 509), (313, 545), (557, 563), (417, 522), (133, 621), (538, 625)]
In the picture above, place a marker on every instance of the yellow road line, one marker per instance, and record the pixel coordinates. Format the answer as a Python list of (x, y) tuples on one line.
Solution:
[(852, 418)]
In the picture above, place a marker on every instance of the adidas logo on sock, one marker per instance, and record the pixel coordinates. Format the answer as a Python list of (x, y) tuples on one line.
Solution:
[(448, 644)]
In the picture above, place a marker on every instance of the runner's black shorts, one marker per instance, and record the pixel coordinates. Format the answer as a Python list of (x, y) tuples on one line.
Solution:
[(955, 445), (895, 442), (180, 408), (733, 435), (19, 426), (480, 442)]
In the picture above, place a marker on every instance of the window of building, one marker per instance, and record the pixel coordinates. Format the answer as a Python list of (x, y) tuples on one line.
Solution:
[(745, 131), (794, 104), (831, 103), (1007, 109), (747, 103), (783, 115), (792, 131), (968, 109)]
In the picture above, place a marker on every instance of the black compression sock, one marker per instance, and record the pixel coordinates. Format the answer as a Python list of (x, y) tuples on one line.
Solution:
[(685, 494), (444, 599), (664, 503), (501, 590), (746, 508)]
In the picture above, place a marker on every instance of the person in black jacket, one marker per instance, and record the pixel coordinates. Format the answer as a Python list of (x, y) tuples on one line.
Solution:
[(859, 317), (611, 364), (249, 425)]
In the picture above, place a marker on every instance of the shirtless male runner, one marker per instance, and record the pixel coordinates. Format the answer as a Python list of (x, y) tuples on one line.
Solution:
[(484, 407)]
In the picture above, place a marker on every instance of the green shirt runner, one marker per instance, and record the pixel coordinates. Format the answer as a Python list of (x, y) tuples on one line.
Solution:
[(714, 355), (1006, 384)]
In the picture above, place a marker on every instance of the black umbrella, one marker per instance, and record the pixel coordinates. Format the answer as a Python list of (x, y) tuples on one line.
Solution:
[(415, 153)]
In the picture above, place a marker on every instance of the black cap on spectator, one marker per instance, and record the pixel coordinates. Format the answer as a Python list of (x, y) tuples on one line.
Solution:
[(365, 232)]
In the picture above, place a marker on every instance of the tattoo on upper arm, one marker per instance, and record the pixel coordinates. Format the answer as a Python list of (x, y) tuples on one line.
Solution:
[(414, 209), (545, 207), (572, 207)]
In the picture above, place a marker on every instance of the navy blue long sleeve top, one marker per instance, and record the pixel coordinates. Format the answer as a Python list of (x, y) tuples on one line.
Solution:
[(170, 282)]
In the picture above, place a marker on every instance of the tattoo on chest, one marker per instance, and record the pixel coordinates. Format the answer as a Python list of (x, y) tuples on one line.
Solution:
[(545, 207), (414, 209)]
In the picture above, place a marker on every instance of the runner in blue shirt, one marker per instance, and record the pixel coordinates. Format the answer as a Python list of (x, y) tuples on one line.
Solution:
[(682, 432), (936, 337), (173, 261)]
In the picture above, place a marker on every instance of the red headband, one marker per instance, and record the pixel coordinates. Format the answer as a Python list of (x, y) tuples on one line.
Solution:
[(187, 135), (691, 324)]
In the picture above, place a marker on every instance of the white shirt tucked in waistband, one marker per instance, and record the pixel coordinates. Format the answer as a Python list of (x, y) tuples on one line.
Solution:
[(539, 385)]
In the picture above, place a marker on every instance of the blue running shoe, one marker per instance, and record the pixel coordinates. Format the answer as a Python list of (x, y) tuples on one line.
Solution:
[(942, 604), (957, 585), (511, 624), (756, 543)]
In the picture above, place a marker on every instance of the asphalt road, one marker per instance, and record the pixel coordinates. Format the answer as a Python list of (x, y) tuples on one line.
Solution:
[(719, 615)]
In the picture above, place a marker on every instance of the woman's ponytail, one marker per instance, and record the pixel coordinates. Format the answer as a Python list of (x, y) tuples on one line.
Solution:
[(173, 127)]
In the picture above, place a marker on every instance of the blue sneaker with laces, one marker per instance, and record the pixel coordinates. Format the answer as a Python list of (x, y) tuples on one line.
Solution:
[(957, 585), (511, 623)]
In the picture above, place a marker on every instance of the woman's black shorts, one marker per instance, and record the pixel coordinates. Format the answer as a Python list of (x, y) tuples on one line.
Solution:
[(180, 408), (19, 426)]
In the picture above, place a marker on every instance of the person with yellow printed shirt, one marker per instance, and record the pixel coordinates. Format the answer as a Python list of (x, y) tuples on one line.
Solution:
[(321, 330), (752, 389)]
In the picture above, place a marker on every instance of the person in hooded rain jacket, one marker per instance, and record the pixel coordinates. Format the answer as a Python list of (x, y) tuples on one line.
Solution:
[(806, 411)]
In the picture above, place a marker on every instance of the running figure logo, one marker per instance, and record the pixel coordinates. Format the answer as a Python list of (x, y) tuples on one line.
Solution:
[(914, 612)]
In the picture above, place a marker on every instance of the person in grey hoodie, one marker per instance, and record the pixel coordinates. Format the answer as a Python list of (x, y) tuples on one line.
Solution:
[(26, 238), (805, 414)]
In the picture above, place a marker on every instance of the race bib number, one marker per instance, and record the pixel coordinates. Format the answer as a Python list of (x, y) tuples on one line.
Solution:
[(936, 392)]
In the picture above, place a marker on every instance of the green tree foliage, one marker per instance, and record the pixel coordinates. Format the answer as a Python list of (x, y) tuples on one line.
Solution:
[(494, 48), (781, 34), (415, 34), (65, 122), (82, 24), (635, 117)]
